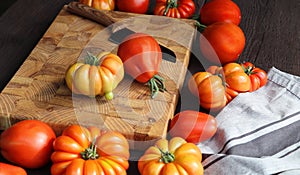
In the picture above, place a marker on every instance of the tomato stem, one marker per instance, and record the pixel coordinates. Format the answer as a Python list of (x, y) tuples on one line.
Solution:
[(170, 4), (156, 83), (248, 70), (90, 152), (91, 59), (201, 27), (166, 156)]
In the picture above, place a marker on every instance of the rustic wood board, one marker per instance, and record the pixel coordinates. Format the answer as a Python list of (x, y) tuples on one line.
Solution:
[(38, 91)]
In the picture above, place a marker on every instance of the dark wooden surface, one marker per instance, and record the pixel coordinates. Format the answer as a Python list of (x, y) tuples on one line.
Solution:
[(271, 28)]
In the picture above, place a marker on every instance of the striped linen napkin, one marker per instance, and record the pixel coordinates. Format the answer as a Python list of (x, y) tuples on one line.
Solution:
[(258, 132)]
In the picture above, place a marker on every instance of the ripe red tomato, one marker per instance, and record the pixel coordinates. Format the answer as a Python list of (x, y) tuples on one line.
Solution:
[(175, 8), (222, 42), (193, 126), (28, 143), (220, 11), (257, 75), (8, 169), (142, 56), (133, 6)]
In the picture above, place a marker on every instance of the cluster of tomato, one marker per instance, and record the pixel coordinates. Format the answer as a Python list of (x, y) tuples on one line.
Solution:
[(170, 8), (31, 144), (139, 55), (221, 42)]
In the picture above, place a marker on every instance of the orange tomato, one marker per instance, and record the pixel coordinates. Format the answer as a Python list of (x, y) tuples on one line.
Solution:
[(210, 90), (172, 157), (96, 75), (100, 4), (235, 77), (81, 150)]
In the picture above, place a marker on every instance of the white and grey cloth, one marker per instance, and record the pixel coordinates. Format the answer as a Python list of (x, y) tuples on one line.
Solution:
[(258, 132)]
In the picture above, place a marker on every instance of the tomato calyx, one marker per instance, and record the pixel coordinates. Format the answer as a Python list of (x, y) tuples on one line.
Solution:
[(248, 70), (91, 59), (90, 152), (156, 83), (166, 156), (170, 4)]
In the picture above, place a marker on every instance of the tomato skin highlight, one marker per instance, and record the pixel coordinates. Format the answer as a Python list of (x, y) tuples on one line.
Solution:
[(222, 42), (8, 169), (220, 11), (28, 143), (193, 126)]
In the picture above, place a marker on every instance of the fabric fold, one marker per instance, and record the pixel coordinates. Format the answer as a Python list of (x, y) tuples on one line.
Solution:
[(258, 132)]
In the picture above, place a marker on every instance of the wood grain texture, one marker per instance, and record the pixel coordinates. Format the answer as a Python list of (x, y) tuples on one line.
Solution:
[(272, 30), (38, 90)]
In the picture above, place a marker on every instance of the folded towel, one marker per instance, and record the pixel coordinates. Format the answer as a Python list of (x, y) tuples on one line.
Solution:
[(258, 132)]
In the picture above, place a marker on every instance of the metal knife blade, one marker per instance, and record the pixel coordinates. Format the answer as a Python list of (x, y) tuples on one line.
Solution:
[(107, 18)]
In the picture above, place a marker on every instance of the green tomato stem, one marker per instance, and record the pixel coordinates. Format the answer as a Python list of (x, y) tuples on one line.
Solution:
[(170, 4), (91, 59), (248, 70), (90, 152), (156, 83), (201, 27), (166, 156)]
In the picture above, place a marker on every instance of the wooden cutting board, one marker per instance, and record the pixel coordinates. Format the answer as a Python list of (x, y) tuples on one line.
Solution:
[(38, 90)]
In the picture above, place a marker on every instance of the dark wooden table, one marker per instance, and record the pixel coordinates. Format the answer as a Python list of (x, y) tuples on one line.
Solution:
[(271, 28)]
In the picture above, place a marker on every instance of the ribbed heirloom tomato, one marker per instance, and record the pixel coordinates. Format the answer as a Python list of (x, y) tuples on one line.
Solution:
[(222, 42), (209, 89), (96, 75), (85, 151), (239, 78), (257, 75), (172, 157), (142, 56), (100, 4), (175, 8), (220, 11)]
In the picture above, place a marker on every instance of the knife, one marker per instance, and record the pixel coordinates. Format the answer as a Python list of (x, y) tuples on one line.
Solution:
[(106, 18)]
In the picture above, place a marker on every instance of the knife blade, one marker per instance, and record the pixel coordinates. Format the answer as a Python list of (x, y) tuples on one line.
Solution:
[(106, 18)]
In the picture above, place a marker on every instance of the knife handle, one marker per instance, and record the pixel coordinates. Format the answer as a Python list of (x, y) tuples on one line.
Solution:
[(103, 17)]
